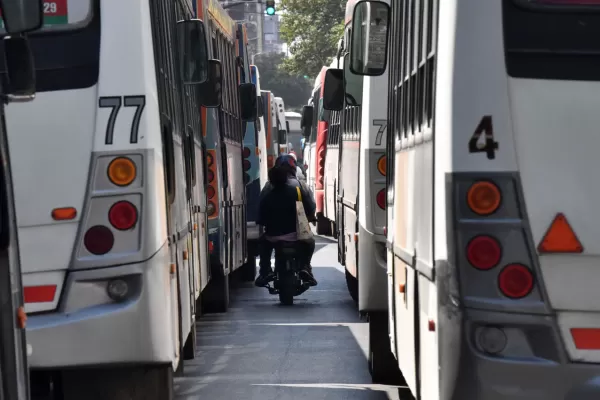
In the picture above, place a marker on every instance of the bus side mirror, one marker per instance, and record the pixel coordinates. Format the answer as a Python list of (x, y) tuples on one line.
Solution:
[(210, 92), (193, 51), (333, 91), (370, 22), (307, 120), (248, 101), (22, 16), (20, 69)]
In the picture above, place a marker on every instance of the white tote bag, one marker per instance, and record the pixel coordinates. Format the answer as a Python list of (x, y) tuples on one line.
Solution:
[(302, 226)]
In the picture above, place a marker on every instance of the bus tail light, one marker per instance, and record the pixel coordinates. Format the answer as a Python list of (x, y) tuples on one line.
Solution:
[(381, 165), (381, 199), (121, 171), (212, 188), (210, 192), (123, 215), (560, 238), (484, 198), (246, 152), (515, 281), (211, 208), (98, 240), (246, 164), (484, 252)]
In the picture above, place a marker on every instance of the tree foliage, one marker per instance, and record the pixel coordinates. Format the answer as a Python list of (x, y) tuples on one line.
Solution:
[(294, 89), (312, 29)]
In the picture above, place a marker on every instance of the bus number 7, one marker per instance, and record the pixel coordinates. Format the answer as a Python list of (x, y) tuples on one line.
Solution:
[(114, 103), (382, 124)]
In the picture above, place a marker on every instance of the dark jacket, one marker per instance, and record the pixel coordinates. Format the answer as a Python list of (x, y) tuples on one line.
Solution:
[(277, 207)]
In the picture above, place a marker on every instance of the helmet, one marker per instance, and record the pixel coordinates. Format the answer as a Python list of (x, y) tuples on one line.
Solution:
[(286, 162), (285, 159), (293, 155)]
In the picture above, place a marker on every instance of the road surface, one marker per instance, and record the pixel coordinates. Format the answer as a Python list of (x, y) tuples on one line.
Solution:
[(260, 350)]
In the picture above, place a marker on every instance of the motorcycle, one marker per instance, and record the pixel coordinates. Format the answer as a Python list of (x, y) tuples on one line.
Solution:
[(287, 283)]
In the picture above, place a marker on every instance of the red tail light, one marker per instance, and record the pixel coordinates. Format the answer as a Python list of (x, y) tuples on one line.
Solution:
[(247, 165), (123, 215), (209, 159), (381, 199), (211, 176), (484, 252), (246, 152), (515, 281), (98, 240), (210, 192)]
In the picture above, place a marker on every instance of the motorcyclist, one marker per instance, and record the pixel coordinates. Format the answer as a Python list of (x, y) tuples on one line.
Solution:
[(277, 213)]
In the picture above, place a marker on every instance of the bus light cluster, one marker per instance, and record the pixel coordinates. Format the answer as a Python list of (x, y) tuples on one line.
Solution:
[(381, 167), (211, 190), (122, 215), (484, 252), (247, 164)]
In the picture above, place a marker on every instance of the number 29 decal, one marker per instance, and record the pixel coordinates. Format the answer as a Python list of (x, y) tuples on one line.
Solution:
[(489, 146), (114, 103)]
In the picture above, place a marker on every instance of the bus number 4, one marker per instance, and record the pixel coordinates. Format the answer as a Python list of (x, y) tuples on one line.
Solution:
[(114, 103), (487, 145)]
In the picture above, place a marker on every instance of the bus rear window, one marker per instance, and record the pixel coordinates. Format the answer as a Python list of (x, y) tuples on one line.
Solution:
[(561, 3), (552, 39), (63, 14)]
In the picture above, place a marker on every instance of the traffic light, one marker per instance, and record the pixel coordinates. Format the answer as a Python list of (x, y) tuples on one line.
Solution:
[(270, 7)]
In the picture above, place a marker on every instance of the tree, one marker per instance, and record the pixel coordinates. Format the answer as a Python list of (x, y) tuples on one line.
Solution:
[(312, 29), (293, 89)]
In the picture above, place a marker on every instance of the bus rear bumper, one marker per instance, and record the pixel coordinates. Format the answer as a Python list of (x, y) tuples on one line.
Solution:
[(532, 365), (372, 270), (91, 329)]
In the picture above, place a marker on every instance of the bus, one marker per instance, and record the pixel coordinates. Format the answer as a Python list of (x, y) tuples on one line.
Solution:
[(332, 166), (105, 208), (270, 116), (294, 136), (224, 138), (282, 126), (255, 170), (491, 263), (318, 148), (362, 116), (261, 123), (14, 366)]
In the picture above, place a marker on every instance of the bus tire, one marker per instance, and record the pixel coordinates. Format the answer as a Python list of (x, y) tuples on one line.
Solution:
[(248, 270), (352, 284), (149, 382), (382, 363), (323, 226), (215, 297), (189, 348)]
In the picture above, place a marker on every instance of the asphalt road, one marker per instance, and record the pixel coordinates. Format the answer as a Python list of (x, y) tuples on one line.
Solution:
[(260, 350)]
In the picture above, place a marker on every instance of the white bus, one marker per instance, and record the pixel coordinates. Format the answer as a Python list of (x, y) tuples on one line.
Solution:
[(361, 187), (492, 235), (109, 207)]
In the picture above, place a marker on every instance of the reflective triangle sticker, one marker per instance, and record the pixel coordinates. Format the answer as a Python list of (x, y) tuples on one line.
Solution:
[(560, 238)]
